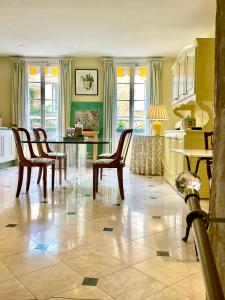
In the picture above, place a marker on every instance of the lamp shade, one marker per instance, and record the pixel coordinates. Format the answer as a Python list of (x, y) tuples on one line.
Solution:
[(157, 112)]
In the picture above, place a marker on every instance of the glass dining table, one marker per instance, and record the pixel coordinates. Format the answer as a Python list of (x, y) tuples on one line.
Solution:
[(70, 146)]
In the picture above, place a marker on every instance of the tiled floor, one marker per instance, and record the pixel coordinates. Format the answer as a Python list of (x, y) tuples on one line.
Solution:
[(59, 250)]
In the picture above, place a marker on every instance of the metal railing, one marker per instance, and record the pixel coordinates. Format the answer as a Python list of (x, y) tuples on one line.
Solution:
[(188, 185)]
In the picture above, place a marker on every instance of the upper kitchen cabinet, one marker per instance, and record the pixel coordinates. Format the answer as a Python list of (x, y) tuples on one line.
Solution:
[(193, 73)]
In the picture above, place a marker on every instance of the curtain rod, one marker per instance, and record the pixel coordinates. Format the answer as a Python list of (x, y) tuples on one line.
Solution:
[(133, 58)]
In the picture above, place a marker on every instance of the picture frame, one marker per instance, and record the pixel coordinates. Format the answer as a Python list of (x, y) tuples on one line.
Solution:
[(86, 82)]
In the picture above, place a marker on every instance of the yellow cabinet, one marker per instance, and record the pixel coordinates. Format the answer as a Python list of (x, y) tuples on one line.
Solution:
[(175, 163)]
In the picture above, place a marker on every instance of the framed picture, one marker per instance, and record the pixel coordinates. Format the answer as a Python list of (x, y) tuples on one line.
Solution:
[(86, 82)]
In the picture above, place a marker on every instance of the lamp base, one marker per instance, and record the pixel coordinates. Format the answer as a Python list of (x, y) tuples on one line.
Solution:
[(156, 128)]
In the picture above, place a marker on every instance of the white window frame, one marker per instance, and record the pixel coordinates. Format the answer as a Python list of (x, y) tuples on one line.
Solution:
[(132, 66), (42, 64)]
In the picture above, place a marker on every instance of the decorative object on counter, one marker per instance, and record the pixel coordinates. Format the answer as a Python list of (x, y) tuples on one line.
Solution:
[(188, 122), (86, 82), (157, 113), (78, 129)]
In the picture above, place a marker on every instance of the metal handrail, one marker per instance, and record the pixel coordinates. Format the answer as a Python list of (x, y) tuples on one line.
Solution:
[(188, 185)]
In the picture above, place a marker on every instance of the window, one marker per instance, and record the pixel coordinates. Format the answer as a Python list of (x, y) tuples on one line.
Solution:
[(42, 95), (131, 97)]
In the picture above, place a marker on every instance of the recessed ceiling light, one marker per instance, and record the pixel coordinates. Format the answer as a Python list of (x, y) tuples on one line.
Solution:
[(75, 47), (21, 46)]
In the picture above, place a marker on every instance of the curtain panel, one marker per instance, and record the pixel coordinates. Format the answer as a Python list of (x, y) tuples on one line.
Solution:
[(155, 72), (108, 103), (18, 91), (65, 94)]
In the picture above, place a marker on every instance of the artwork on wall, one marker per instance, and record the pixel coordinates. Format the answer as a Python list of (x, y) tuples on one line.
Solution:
[(86, 82), (89, 118)]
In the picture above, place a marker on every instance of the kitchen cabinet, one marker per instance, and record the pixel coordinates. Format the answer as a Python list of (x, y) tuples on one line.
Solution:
[(7, 146), (175, 163)]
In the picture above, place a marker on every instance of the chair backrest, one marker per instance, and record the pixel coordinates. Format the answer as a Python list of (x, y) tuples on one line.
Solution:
[(16, 132), (208, 140), (40, 134), (123, 145)]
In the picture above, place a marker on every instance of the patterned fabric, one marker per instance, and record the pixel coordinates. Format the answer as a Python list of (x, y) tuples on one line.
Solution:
[(41, 160), (104, 161), (105, 155), (147, 155), (57, 154)]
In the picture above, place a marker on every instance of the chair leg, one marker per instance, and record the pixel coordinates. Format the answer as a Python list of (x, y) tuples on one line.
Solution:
[(60, 171), (65, 167), (94, 182), (39, 175), (53, 177), (28, 178), (20, 179), (120, 181), (101, 173), (45, 181), (97, 174)]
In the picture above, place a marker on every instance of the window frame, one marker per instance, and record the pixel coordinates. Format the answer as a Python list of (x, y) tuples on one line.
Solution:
[(131, 101), (42, 64)]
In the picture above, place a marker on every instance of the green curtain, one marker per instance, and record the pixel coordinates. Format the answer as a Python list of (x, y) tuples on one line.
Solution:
[(65, 94), (18, 91), (155, 72), (108, 102)]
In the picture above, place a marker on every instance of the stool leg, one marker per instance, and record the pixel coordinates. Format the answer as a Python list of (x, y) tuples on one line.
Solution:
[(120, 181), (39, 175), (53, 177), (60, 171), (65, 167)]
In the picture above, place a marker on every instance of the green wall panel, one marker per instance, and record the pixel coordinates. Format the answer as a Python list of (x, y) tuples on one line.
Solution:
[(88, 106)]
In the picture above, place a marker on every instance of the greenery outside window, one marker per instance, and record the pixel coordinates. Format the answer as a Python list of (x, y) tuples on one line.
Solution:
[(131, 97), (42, 96)]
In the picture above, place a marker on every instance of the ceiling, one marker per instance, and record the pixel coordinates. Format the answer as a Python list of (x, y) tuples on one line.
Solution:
[(124, 28)]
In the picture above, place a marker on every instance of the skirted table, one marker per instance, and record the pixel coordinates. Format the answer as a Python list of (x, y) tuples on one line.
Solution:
[(147, 155)]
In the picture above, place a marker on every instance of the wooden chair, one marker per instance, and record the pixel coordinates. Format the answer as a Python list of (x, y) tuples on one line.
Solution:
[(40, 134), (117, 161), (208, 136), (106, 156), (33, 161), (208, 139)]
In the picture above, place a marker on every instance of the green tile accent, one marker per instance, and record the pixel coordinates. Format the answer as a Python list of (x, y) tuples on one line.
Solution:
[(71, 213), (107, 229), (162, 253), (156, 217), (90, 281), (11, 225), (89, 106)]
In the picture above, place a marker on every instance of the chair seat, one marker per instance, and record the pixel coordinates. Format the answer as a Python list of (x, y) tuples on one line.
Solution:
[(104, 161), (105, 155), (56, 154), (41, 160)]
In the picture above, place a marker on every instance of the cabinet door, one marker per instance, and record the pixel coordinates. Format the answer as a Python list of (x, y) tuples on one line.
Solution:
[(175, 81), (182, 78), (190, 71)]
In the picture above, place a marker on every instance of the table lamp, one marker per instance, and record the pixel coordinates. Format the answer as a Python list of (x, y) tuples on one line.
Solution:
[(157, 113)]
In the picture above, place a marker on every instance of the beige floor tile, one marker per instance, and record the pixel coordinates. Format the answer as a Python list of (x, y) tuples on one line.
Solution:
[(164, 241), (120, 282), (192, 286), (50, 281), (85, 292), (16, 245), (96, 265), (166, 269), (168, 294), (5, 273), (13, 290), (130, 252), (29, 261)]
